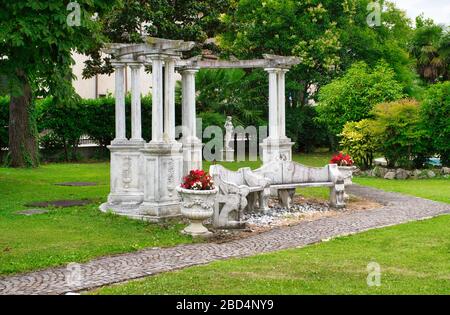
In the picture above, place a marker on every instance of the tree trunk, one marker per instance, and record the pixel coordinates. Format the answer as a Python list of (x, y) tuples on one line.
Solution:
[(23, 150)]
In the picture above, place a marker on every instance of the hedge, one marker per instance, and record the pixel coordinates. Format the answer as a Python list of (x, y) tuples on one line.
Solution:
[(62, 126)]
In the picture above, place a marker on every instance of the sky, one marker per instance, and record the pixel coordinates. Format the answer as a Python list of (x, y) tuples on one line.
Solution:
[(438, 10)]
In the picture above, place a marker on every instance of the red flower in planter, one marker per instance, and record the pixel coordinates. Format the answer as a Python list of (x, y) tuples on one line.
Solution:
[(342, 159), (198, 180)]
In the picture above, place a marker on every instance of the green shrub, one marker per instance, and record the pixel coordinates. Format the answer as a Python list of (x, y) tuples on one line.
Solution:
[(64, 125), (353, 96), (436, 118), (404, 141), (67, 123), (100, 119), (361, 140), (302, 128)]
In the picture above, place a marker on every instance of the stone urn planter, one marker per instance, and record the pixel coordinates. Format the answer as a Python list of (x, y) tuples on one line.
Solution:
[(347, 173), (197, 206)]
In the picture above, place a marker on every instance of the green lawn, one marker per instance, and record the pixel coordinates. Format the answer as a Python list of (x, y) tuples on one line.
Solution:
[(71, 234), (434, 189), (414, 259), (81, 233)]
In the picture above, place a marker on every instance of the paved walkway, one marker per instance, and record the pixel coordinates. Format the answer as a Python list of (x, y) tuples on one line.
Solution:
[(107, 270)]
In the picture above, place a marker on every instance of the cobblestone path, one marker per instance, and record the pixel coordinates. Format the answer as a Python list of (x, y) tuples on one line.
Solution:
[(396, 209)]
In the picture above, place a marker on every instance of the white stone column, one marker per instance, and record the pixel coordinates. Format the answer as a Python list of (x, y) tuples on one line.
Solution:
[(184, 110), (192, 146), (136, 123), (162, 158), (273, 103), (157, 99), (189, 113), (282, 103), (277, 145), (120, 101), (169, 99)]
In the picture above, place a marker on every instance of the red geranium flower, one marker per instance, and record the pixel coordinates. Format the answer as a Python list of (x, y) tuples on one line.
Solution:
[(342, 159), (198, 180)]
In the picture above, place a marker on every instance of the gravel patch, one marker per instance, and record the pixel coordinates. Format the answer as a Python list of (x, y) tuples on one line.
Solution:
[(277, 214)]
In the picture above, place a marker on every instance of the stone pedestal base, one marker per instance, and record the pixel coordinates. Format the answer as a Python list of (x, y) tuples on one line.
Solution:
[(228, 155), (196, 229), (131, 211), (192, 155), (126, 174), (144, 178), (163, 166), (276, 149)]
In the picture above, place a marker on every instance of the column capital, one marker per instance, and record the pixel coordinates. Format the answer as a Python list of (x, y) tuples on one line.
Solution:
[(283, 70), (171, 58), (118, 64), (271, 70), (189, 70), (276, 70), (156, 57), (135, 65)]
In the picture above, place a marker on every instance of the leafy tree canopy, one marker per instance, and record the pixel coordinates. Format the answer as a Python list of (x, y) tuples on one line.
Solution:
[(37, 42), (430, 47), (353, 96), (328, 35), (129, 20)]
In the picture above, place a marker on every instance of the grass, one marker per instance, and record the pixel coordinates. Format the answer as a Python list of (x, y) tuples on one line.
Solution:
[(435, 189), (74, 234), (78, 234), (414, 259)]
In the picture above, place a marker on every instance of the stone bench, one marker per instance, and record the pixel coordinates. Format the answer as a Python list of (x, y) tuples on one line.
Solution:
[(286, 176), (238, 191)]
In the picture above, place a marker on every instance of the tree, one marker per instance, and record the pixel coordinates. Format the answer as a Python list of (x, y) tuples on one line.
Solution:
[(353, 96), (430, 46), (232, 92), (436, 118), (188, 20), (362, 140), (403, 140), (129, 20), (327, 35), (37, 39)]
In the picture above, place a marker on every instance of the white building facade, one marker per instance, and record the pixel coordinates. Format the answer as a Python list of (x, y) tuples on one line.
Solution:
[(101, 85)]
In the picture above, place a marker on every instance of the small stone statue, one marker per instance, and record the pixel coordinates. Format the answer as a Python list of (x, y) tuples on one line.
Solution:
[(229, 128), (228, 149)]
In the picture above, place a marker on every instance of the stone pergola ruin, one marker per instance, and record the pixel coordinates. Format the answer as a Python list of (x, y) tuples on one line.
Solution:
[(144, 175)]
